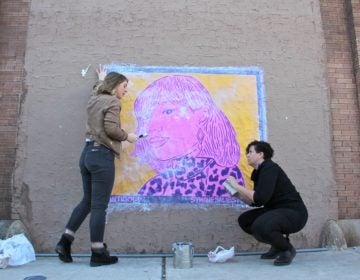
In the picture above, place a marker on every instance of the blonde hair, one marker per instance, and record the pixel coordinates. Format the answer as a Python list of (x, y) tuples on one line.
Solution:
[(110, 82)]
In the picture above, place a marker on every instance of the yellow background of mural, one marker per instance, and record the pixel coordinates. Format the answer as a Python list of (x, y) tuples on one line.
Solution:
[(235, 94)]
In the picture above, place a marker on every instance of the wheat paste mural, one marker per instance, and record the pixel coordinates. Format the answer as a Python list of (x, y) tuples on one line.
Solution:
[(196, 123)]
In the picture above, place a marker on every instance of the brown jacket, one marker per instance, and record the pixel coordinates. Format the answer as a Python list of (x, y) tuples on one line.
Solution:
[(103, 125)]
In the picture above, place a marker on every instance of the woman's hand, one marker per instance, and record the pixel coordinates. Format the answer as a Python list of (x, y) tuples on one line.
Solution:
[(232, 181), (102, 72), (243, 193), (132, 137)]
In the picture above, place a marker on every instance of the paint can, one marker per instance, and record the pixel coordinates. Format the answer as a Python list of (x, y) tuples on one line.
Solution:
[(183, 254)]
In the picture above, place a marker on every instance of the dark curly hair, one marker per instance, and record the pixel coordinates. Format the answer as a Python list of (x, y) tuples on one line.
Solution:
[(261, 146)]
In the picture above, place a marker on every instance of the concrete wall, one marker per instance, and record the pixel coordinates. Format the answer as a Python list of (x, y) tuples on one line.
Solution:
[(283, 37)]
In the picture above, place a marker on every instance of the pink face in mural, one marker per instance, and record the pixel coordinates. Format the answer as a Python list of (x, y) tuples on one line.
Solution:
[(173, 132)]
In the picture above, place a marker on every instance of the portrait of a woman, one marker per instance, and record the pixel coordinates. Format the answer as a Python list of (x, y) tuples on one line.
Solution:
[(190, 143)]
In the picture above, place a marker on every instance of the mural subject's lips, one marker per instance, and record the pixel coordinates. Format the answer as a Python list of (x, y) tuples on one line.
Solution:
[(158, 141)]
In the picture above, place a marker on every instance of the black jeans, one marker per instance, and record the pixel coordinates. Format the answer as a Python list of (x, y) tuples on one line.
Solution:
[(270, 225), (98, 173)]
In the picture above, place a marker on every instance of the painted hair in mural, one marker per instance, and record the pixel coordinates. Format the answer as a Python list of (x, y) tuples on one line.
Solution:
[(191, 144)]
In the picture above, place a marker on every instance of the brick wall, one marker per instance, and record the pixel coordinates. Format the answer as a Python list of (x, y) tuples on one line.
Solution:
[(341, 24), (353, 15), (337, 25), (13, 28)]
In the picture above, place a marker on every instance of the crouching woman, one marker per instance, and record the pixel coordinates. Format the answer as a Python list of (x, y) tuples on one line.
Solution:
[(280, 209)]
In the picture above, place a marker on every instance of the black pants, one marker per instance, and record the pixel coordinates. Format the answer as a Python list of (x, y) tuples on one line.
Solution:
[(98, 173), (270, 225)]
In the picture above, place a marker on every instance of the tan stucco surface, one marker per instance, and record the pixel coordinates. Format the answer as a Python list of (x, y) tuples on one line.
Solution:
[(283, 37)]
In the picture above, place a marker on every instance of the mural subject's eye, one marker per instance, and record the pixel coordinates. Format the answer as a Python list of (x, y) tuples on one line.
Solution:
[(168, 111)]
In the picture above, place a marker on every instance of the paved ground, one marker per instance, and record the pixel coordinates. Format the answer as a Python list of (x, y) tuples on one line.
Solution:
[(339, 265)]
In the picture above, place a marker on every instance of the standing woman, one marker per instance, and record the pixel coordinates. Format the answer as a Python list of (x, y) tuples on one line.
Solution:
[(283, 210), (103, 142)]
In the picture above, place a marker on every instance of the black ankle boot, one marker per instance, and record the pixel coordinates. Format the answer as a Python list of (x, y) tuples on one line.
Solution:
[(63, 248), (285, 257), (271, 254), (101, 256)]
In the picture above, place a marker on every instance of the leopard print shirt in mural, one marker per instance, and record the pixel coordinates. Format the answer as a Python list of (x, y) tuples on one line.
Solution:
[(198, 177)]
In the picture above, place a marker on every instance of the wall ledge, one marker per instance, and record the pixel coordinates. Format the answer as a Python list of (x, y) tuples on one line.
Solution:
[(340, 234), (9, 228)]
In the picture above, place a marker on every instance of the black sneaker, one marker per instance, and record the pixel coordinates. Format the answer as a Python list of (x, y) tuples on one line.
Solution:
[(63, 248), (285, 257), (101, 256), (271, 254)]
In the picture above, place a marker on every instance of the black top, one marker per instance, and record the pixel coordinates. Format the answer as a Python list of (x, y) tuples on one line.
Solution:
[(273, 189)]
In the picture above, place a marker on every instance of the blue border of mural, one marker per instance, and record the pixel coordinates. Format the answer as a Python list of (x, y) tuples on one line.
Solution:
[(131, 199)]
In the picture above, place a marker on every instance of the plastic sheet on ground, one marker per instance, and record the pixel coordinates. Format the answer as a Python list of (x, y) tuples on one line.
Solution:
[(16, 250)]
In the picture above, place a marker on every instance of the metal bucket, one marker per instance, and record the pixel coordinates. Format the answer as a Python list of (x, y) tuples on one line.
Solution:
[(183, 254)]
